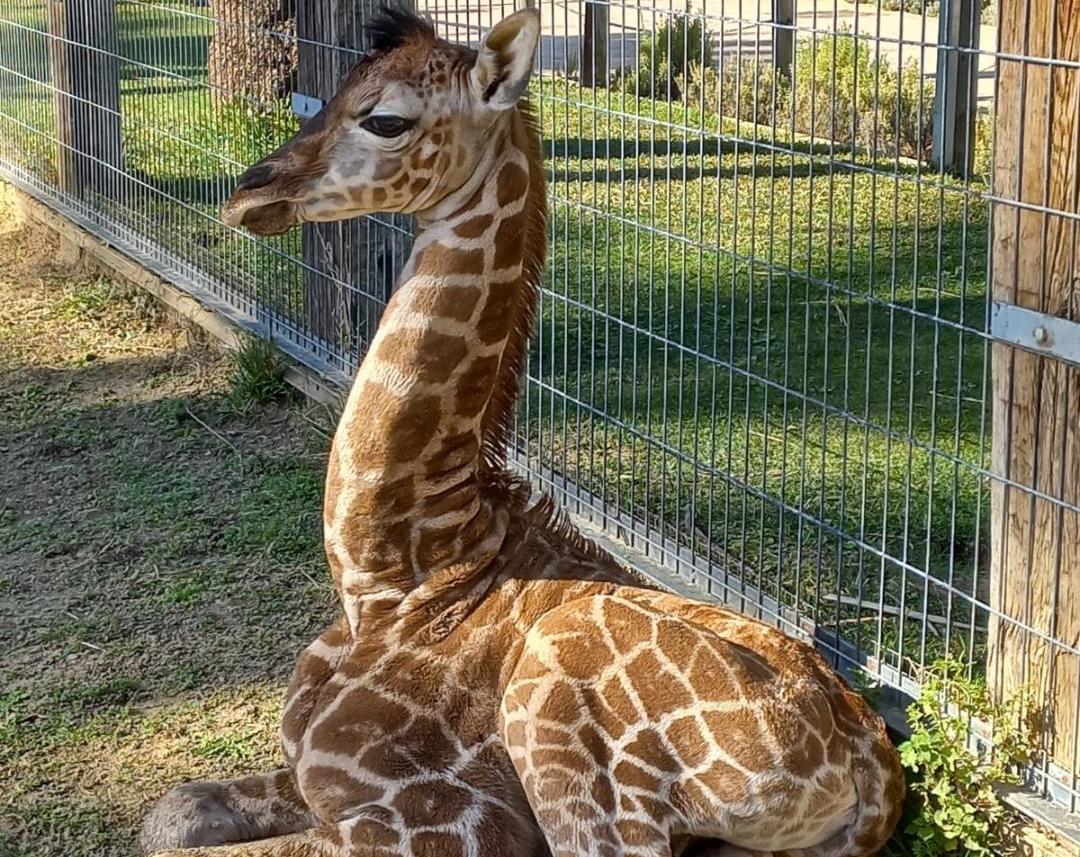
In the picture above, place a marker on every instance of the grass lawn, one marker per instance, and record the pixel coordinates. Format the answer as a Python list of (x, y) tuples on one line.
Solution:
[(761, 346)]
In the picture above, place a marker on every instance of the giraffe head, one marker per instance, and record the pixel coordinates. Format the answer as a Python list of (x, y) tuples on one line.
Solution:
[(408, 127)]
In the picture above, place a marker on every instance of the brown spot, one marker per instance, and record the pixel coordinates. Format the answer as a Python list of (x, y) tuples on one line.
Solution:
[(400, 182), (560, 705), (627, 624), (648, 747), (615, 708), (596, 745), (685, 736), (391, 499), (435, 548), (456, 302), (805, 757), (474, 227), (603, 794), (635, 833), (417, 422), (437, 845), (431, 803), (378, 196), (376, 830), (566, 759), (659, 690), (739, 733), (724, 781), (498, 313), (633, 776), (512, 182), (427, 355), (438, 259), (387, 168), (584, 654), (356, 720), (418, 185), (508, 243), (332, 793), (474, 385)]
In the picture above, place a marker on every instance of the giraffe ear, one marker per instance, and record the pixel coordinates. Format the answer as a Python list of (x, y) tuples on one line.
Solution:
[(505, 60)]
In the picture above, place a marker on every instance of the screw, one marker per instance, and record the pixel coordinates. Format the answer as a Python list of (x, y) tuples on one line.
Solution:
[(1042, 335)]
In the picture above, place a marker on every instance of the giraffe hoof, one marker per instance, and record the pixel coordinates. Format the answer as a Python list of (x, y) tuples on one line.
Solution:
[(192, 815)]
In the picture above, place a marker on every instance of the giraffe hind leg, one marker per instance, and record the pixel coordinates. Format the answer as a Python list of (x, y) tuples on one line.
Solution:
[(207, 813)]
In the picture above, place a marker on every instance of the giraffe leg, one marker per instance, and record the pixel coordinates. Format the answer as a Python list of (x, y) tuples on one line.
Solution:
[(212, 812)]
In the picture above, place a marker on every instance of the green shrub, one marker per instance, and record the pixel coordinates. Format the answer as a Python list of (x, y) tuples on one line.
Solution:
[(753, 91), (258, 373), (676, 50), (957, 810)]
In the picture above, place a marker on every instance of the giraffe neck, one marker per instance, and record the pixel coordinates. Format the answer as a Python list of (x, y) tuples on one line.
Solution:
[(430, 409)]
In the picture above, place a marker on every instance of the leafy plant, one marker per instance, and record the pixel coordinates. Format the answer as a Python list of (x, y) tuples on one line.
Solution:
[(669, 56), (258, 374), (957, 810)]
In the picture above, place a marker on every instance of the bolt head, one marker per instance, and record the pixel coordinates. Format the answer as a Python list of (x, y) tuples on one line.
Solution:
[(1041, 335)]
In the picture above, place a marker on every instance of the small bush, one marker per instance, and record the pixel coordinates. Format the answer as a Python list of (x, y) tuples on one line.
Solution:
[(956, 809), (676, 50), (258, 374)]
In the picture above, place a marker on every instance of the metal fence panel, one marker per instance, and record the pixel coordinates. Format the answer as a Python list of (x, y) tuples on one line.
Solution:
[(763, 353)]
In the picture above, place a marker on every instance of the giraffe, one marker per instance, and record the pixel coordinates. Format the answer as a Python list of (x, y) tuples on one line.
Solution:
[(497, 684)]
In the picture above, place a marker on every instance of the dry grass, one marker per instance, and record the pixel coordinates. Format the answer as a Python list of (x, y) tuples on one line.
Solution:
[(160, 557)]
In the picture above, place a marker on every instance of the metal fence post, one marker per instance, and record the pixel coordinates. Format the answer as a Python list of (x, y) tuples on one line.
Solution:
[(85, 72), (1035, 525), (957, 86), (594, 44)]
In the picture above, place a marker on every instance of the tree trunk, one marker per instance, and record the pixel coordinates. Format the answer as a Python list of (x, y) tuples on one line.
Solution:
[(253, 51)]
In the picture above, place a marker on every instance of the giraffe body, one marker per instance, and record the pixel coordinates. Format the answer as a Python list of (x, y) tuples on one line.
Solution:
[(496, 684)]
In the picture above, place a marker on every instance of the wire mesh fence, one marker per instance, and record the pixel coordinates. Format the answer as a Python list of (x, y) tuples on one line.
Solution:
[(764, 348)]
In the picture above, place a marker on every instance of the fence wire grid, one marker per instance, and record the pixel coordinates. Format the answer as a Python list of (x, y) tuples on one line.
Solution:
[(763, 355)]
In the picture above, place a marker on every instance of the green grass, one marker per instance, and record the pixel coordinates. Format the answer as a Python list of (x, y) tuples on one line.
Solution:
[(740, 323)]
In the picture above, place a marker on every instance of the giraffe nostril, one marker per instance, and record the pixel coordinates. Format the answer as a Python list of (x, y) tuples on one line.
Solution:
[(257, 176)]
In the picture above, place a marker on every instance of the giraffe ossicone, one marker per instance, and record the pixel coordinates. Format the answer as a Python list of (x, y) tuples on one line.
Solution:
[(496, 684)]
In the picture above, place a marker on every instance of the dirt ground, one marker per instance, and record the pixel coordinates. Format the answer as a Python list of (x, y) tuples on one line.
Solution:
[(160, 556)]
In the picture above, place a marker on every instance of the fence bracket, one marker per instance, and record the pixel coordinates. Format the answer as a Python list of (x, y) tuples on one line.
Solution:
[(1036, 331), (305, 106)]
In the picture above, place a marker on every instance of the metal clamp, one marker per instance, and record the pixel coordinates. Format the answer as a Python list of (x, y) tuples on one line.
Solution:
[(305, 106), (1036, 331)]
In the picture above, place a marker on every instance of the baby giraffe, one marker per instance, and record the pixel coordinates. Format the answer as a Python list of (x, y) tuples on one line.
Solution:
[(497, 686)]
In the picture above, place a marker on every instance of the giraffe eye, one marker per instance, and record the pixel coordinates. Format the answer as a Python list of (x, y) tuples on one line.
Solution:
[(387, 126)]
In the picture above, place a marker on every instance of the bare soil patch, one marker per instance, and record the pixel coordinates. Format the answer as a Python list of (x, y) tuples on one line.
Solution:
[(160, 556)]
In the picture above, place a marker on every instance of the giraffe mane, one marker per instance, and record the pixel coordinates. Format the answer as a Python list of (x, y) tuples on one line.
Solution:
[(393, 26), (498, 422)]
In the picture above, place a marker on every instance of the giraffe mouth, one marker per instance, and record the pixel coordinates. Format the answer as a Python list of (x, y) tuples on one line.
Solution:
[(258, 214)]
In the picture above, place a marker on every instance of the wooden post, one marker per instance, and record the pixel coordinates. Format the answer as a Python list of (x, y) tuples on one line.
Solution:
[(957, 86), (85, 72), (783, 50), (351, 265), (1035, 542), (594, 44)]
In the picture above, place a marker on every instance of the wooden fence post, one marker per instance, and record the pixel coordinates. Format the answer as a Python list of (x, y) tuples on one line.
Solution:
[(1035, 540), (350, 265), (594, 44), (957, 86), (85, 72)]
